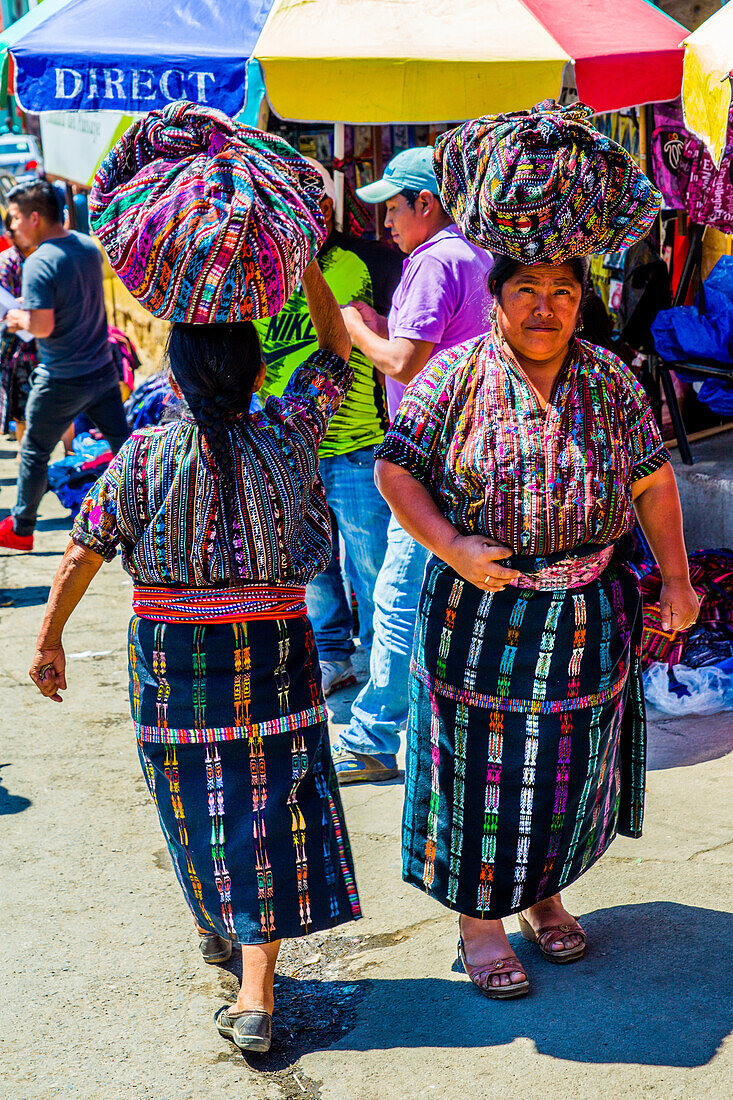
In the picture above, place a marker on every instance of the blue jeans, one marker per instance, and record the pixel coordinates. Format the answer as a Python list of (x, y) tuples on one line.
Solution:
[(362, 516), (54, 404), (380, 709)]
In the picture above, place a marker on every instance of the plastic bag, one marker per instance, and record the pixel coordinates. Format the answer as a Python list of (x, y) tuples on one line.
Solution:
[(717, 395), (71, 478), (685, 333), (683, 690), (720, 278)]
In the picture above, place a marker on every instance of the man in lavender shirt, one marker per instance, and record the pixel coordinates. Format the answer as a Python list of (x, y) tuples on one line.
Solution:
[(442, 299)]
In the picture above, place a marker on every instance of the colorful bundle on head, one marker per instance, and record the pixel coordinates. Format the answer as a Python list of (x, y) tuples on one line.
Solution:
[(543, 185), (204, 219)]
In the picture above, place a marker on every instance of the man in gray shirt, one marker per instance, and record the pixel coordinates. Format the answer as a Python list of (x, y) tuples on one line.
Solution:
[(63, 307)]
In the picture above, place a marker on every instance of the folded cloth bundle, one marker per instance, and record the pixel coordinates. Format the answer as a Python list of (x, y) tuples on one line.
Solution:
[(543, 185), (204, 219)]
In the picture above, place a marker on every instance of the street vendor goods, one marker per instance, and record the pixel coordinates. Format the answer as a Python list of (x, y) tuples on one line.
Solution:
[(543, 185), (204, 219)]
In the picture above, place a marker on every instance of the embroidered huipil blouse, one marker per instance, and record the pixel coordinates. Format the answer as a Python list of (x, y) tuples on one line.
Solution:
[(158, 499), (471, 428)]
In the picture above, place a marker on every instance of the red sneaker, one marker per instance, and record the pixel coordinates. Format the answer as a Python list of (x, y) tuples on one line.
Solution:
[(9, 538)]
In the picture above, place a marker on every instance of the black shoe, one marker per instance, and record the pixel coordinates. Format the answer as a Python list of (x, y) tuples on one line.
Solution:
[(214, 948), (250, 1030)]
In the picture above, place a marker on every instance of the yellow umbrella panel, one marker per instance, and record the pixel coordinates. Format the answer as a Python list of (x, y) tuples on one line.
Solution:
[(706, 92), (380, 61)]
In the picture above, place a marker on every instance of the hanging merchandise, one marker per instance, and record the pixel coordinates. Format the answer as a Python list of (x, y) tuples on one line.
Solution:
[(673, 152), (710, 190), (645, 291), (686, 174)]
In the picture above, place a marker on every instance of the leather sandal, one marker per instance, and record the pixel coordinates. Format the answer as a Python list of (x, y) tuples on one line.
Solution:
[(250, 1030), (214, 948), (482, 974), (545, 936)]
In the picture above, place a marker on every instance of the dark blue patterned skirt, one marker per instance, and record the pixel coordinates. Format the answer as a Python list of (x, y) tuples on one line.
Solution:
[(526, 737), (233, 742)]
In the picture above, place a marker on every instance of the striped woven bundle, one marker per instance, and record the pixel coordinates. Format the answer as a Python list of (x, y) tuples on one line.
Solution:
[(204, 219), (543, 185)]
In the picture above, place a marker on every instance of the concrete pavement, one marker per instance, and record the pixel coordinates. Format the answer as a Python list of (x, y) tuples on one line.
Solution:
[(104, 992)]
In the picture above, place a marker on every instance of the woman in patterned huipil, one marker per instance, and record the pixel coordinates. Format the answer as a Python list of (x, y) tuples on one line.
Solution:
[(519, 459), (18, 358), (222, 520)]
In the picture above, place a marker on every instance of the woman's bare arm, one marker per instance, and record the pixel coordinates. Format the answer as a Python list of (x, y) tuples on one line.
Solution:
[(474, 557), (657, 505), (325, 313), (78, 567)]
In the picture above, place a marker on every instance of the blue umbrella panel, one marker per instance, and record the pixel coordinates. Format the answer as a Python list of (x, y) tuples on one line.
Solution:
[(135, 55)]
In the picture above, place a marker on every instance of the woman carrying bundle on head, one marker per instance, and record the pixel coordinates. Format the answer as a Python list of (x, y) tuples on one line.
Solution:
[(221, 519), (520, 459)]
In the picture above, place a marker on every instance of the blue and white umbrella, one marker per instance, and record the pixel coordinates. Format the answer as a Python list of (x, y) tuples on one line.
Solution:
[(133, 55)]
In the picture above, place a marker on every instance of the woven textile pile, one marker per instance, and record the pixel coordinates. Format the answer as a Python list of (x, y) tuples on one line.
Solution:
[(711, 575), (204, 219), (543, 185)]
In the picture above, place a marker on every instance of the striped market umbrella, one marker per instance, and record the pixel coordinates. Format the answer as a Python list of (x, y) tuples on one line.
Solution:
[(706, 88), (371, 61), (375, 61)]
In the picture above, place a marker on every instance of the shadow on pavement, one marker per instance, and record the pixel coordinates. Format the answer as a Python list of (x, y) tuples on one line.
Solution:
[(681, 742), (11, 803), (30, 596), (57, 523), (655, 989)]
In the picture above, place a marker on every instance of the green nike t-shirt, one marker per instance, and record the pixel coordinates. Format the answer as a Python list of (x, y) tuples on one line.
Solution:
[(354, 269)]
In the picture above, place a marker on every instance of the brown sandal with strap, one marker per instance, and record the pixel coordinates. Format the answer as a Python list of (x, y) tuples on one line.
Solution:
[(481, 975), (545, 936)]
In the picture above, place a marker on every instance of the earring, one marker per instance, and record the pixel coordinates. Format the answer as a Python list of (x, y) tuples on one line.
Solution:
[(579, 327)]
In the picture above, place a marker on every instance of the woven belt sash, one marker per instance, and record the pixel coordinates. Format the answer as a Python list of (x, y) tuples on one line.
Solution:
[(571, 572), (218, 605)]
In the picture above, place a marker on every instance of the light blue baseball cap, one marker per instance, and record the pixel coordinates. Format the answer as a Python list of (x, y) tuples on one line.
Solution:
[(410, 170)]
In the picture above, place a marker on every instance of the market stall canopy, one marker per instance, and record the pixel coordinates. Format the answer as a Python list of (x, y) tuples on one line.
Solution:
[(706, 83), (378, 61), (343, 60), (133, 55)]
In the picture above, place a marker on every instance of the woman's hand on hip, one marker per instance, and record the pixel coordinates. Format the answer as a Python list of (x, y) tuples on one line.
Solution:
[(48, 671), (477, 558), (678, 604)]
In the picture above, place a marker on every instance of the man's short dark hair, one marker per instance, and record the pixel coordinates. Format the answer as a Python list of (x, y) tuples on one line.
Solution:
[(410, 196), (39, 196)]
